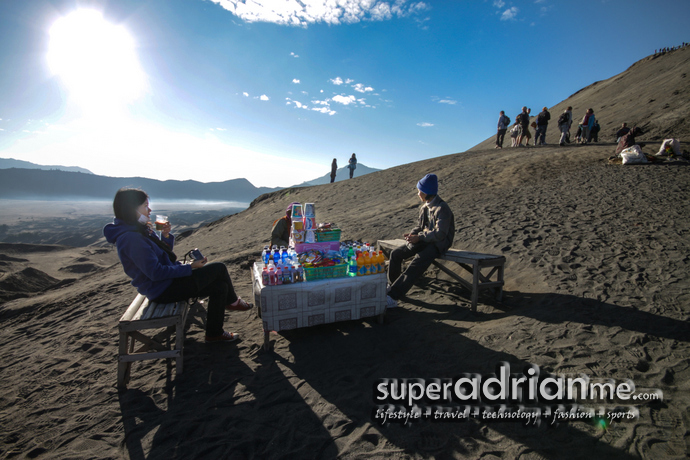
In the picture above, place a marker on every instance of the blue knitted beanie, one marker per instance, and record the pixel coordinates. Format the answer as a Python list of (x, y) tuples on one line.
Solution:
[(428, 184)]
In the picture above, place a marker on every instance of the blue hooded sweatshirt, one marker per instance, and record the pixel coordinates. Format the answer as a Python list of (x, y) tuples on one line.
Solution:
[(148, 265)]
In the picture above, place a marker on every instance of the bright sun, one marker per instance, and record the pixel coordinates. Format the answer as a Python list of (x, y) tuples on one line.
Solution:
[(96, 60)]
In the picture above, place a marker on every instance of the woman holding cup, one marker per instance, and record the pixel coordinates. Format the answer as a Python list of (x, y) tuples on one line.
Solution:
[(155, 270)]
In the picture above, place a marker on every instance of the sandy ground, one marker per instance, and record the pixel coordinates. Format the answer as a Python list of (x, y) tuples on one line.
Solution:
[(596, 284)]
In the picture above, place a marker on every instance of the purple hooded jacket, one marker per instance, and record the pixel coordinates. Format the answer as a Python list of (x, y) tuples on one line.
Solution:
[(148, 265)]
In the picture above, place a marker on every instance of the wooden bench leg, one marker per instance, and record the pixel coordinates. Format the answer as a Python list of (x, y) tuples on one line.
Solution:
[(123, 367), (499, 296), (475, 286), (179, 345)]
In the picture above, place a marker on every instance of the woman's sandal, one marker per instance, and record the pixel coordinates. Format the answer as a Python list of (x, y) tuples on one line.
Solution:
[(239, 305), (224, 337)]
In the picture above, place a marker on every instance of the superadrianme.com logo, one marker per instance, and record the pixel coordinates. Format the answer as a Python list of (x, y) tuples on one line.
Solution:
[(530, 397)]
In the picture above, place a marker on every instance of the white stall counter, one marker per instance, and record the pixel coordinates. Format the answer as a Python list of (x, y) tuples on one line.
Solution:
[(304, 304)]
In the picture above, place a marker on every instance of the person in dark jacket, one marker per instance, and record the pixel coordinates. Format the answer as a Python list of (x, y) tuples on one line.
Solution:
[(334, 168), (502, 127), (352, 164), (155, 271), (622, 132), (430, 239), (542, 123)]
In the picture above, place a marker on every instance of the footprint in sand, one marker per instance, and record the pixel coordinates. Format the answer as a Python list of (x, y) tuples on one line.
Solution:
[(666, 418)]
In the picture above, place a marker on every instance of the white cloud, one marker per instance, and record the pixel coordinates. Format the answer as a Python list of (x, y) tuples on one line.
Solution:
[(510, 13), (425, 125), (499, 3), (294, 55), (263, 97), (361, 88), (305, 12), (447, 101), (336, 81), (325, 110), (295, 81), (345, 100), (245, 94)]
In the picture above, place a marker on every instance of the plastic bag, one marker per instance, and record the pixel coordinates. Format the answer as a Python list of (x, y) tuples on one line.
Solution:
[(633, 155), (669, 146)]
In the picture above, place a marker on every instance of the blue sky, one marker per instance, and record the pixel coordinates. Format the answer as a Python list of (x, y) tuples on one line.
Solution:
[(273, 90)]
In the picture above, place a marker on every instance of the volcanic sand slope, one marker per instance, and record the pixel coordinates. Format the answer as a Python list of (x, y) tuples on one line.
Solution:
[(597, 261)]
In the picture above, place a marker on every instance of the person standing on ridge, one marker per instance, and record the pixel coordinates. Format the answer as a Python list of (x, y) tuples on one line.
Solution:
[(523, 120), (430, 239), (352, 164), (503, 123), (564, 122), (334, 168), (587, 124), (542, 123)]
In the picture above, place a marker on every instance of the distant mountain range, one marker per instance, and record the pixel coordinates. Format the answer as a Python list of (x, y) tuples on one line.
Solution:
[(6, 163), (25, 180), (38, 184)]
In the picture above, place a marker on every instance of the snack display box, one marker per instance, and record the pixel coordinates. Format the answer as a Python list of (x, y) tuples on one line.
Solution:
[(305, 304)]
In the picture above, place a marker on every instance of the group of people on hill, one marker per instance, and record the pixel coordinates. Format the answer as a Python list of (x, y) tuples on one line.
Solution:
[(351, 165), (668, 49), (588, 128)]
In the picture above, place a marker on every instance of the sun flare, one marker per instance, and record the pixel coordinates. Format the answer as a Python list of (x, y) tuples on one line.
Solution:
[(96, 60)]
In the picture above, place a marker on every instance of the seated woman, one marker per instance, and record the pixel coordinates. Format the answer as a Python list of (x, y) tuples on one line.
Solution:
[(155, 270)]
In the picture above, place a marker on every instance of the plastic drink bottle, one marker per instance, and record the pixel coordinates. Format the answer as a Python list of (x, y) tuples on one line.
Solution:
[(300, 270), (264, 276), (352, 266), (381, 262), (279, 275), (367, 263), (360, 265), (264, 254), (284, 257), (271, 276)]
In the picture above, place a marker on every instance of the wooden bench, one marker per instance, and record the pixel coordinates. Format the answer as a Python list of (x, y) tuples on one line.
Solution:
[(473, 262), (142, 315)]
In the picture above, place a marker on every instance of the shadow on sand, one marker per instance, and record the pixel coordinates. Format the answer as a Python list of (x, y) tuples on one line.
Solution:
[(313, 397)]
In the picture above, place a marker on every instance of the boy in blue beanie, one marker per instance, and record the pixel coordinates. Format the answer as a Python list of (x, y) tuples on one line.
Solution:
[(430, 239)]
